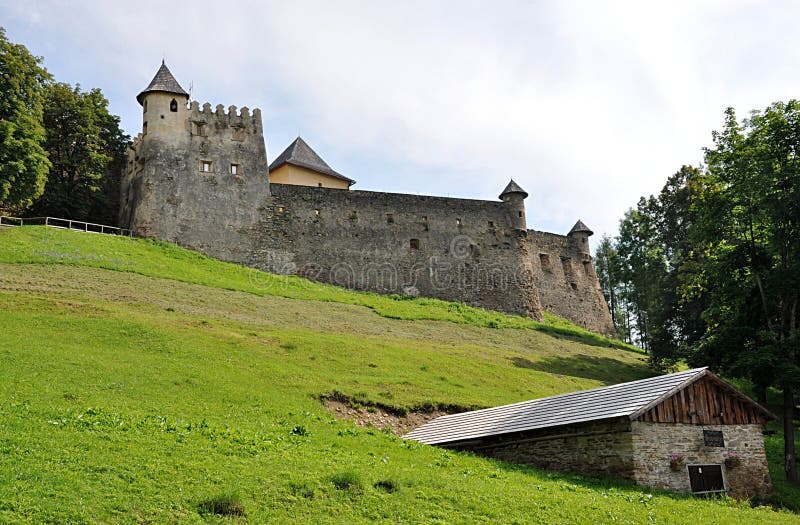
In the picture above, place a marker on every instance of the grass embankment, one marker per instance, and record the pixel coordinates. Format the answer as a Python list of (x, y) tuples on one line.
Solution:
[(168, 261), (133, 399)]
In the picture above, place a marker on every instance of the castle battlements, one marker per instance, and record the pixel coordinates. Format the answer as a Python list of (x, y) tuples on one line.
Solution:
[(218, 116)]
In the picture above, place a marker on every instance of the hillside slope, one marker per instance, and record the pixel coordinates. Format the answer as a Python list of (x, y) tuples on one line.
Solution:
[(136, 398)]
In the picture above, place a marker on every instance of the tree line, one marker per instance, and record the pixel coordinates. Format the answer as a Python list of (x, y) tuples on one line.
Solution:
[(707, 271), (61, 151)]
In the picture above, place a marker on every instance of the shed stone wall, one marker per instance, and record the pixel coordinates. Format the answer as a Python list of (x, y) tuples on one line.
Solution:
[(599, 448), (653, 443)]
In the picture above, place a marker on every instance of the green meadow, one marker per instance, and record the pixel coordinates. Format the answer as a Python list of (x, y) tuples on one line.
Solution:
[(144, 383)]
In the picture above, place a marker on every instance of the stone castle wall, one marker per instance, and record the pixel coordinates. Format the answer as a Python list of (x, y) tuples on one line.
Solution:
[(655, 442), (472, 251), (566, 280), (453, 249)]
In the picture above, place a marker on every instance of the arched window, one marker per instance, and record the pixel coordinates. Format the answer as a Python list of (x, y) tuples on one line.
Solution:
[(173, 106)]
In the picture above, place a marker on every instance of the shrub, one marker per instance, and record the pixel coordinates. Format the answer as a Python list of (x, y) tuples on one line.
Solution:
[(226, 504), (348, 480), (388, 485)]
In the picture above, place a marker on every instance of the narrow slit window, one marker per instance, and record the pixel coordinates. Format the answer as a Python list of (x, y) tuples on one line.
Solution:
[(520, 214), (173, 106), (389, 218), (145, 106), (205, 166), (458, 222), (414, 244), (144, 128), (234, 169)]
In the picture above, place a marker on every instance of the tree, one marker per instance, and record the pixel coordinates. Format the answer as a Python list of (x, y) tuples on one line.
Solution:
[(747, 238), (23, 161), (86, 148)]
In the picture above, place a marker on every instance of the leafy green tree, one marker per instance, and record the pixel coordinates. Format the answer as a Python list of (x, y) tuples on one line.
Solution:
[(23, 161), (86, 148), (747, 239)]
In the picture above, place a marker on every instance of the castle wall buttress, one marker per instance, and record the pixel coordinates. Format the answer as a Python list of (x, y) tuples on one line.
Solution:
[(566, 281)]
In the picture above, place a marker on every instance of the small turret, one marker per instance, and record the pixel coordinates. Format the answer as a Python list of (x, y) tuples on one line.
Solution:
[(580, 232), (164, 111), (514, 198)]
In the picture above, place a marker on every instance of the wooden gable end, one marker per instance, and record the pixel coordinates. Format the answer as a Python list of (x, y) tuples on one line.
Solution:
[(706, 402)]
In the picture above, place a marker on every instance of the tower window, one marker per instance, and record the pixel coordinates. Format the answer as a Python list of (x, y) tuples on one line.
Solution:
[(520, 214), (234, 169), (414, 244), (205, 166), (144, 128), (145, 106), (173, 106)]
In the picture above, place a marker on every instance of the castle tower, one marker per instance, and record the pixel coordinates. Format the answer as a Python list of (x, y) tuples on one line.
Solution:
[(514, 198), (580, 234), (195, 177)]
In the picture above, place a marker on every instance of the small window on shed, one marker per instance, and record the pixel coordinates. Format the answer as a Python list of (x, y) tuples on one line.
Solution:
[(173, 106), (234, 169), (389, 218), (414, 244), (713, 438), (205, 166)]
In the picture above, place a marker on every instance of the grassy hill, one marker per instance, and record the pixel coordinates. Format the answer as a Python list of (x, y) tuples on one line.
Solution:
[(143, 383)]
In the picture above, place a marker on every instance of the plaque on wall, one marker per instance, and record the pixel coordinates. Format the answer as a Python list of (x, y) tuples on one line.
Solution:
[(713, 438)]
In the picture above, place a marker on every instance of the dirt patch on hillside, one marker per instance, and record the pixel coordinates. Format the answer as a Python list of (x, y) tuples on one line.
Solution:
[(379, 418)]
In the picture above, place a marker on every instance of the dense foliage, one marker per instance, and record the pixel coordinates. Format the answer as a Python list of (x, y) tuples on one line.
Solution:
[(709, 270), (23, 161), (61, 151)]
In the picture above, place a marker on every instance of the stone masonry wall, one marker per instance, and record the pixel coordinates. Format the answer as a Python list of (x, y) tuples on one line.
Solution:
[(653, 444), (453, 249), (566, 281), (166, 195), (601, 448)]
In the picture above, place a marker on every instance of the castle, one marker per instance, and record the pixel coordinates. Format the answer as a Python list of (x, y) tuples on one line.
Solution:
[(199, 177)]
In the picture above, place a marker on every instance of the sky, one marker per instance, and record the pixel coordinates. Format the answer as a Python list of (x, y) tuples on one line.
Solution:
[(587, 105)]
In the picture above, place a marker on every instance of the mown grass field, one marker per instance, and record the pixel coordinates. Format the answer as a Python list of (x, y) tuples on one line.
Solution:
[(141, 383)]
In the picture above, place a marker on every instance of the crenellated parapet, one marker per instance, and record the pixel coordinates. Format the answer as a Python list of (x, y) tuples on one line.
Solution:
[(219, 118)]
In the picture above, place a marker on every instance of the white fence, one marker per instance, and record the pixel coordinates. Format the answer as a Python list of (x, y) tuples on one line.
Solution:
[(64, 224)]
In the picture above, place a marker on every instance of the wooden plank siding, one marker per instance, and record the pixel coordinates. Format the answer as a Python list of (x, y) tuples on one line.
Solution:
[(704, 402)]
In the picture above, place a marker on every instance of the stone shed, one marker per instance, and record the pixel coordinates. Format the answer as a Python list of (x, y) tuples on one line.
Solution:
[(689, 432)]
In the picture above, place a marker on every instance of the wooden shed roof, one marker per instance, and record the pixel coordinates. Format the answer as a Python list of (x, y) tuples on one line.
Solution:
[(623, 400)]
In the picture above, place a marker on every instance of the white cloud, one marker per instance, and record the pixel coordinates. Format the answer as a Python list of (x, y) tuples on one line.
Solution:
[(588, 105)]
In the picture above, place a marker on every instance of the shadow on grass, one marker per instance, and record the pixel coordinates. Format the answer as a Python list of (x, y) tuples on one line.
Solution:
[(604, 369)]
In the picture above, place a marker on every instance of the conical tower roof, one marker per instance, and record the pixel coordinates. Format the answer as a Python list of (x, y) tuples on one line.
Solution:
[(580, 228), (300, 154), (513, 187), (163, 82)]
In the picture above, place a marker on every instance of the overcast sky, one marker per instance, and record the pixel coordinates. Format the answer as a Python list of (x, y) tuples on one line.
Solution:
[(587, 105)]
